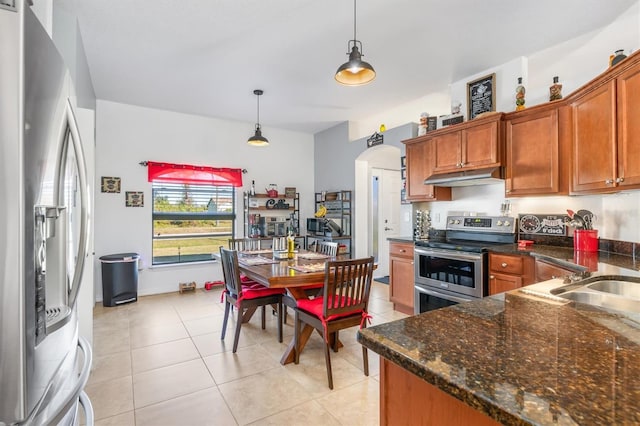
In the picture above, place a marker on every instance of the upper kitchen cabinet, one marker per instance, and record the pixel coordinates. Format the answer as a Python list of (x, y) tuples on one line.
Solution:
[(538, 146), (419, 167), (471, 145), (606, 131)]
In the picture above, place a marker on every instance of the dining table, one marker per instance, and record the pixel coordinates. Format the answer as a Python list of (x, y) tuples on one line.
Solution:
[(270, 270)]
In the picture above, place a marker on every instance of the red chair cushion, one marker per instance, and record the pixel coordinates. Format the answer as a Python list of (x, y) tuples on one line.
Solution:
[(314, 307), (257, 291), (245, 279)]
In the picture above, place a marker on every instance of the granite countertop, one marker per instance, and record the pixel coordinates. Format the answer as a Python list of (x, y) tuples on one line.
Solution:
[(401, 239), (523, 360), (602, 262)]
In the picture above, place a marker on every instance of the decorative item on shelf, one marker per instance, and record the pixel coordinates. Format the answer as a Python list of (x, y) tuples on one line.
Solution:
[(555, 91), (481, 96), (432, 123), (272, 190), (290, 192), (257, 139), (616, 57), (520, 91), (424, 119), (449, 120), (272, 204), (252, 190), (355, 72)]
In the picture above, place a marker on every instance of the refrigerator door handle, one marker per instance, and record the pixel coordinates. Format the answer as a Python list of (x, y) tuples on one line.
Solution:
[(85, 402), (71, 128), (55, 414)]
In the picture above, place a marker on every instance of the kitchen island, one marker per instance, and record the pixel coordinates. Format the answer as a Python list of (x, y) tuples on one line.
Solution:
[(511, 359)]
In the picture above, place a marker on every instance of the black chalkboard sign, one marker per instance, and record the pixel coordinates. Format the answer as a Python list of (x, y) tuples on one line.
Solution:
[(481, 96)]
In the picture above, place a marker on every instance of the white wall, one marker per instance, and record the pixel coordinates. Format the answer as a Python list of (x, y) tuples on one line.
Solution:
[(127, 135)]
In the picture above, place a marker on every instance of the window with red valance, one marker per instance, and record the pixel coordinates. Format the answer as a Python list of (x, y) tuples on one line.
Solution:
[(194, 210), (189, 174)]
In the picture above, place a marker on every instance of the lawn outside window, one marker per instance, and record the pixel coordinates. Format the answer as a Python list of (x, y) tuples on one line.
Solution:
[(191, 221)]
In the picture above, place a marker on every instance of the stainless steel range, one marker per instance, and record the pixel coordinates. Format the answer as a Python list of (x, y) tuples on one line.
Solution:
[(454, 269)]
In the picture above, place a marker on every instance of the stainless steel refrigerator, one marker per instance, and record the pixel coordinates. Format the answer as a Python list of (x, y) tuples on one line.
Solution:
[(44, 364)]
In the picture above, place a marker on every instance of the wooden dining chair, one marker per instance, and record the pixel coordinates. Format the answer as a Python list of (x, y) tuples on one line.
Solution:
[(343, 304), (329, 248), (245, 296), (241, 244)]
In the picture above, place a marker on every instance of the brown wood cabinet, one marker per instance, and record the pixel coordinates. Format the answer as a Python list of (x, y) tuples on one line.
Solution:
[(509, 271), (548, 271), (419, 167), (606, 138), (405, 399), (401, 276), (471, 145), (538, 144)]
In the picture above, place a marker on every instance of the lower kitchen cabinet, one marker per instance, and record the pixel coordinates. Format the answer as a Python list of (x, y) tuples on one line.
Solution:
[(401, 276), (406, 399), (509, 271), (547, 271)]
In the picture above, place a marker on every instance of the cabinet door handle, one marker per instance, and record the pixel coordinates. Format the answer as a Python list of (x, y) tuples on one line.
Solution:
[(608, 181), (492, 277), (507, 191), (402, 250), (620, 179), (504, 264)]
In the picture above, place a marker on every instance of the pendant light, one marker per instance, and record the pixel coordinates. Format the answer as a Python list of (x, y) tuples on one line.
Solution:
[(355, 72), (258, 139)]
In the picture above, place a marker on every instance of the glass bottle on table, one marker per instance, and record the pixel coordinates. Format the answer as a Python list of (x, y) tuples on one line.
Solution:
[(291, 246)]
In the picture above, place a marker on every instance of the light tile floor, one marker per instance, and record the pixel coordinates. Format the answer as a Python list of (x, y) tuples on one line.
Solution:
[(160, 361)]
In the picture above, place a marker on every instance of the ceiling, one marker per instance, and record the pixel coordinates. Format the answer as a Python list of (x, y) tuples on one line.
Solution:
[(206, 57)]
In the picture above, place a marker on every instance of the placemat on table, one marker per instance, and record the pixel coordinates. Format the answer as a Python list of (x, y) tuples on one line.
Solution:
[(251, 252), (255, 260), (311, 267), (312, 255)]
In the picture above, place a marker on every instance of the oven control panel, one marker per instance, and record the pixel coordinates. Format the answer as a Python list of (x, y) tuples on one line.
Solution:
[(499, 224)]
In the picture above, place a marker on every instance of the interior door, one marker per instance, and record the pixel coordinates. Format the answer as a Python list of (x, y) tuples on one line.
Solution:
[(386, 209)]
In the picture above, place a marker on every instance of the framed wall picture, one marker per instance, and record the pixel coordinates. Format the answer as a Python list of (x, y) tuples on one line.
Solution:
[(110, 184), (403, 174), (481, 96), (134, 199), (403, 161)]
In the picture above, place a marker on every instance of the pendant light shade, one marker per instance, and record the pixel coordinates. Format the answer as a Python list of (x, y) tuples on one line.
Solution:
[(257, 139), (355, 72)]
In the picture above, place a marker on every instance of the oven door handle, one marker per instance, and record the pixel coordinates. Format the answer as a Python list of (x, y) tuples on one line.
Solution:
[(448, 254), (459, 299)]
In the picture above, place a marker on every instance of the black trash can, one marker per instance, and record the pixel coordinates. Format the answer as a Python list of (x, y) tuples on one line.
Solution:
[(119, 278)]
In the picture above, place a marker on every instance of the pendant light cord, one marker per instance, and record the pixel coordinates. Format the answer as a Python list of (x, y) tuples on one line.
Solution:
[(354, 21), (258, 124)]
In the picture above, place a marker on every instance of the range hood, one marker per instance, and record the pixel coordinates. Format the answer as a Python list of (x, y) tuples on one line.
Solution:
[(467, 177)]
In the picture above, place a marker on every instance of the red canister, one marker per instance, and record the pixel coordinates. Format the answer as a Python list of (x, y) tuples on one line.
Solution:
[(585, 239)]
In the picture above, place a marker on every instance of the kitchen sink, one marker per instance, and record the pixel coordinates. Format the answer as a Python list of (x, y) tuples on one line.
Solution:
[(617, 293), (603, 300), (628, 289)]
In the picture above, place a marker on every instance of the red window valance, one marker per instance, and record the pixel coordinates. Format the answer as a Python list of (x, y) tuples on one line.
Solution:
[(185, 173)]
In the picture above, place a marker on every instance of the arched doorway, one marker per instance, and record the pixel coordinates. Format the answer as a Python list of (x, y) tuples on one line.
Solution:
[(377, 197)]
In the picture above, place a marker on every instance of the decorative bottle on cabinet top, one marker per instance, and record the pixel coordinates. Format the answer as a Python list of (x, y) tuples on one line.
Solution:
[(555, 91), (520, 91), (617, 57)]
